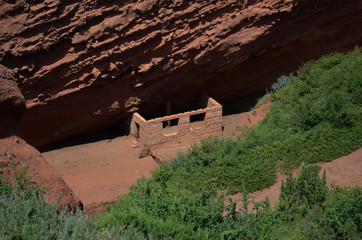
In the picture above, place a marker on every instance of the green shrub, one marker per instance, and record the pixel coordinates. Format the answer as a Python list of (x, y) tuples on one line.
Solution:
[(338, 217), (30, 218), (301, 193), (308, 210), (342, 218), (281, 83)]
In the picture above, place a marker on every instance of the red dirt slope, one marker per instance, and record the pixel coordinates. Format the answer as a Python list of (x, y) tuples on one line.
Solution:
[(253, 117), (40, 171)]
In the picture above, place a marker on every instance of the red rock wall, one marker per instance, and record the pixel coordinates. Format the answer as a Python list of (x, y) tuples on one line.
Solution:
[(83, 65), (12, 104), (14, 150)]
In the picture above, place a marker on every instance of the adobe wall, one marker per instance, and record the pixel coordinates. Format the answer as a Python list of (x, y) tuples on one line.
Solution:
[(141, 132), (152, 132)]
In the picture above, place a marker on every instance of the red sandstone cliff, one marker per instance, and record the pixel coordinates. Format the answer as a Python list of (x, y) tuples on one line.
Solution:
[(13, 149), (83, 65)]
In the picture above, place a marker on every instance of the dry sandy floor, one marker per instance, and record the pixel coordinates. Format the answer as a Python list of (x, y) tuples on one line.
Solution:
[(100, 172)]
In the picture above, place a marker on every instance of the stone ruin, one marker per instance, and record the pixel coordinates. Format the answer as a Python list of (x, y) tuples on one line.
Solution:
[(193, 125)]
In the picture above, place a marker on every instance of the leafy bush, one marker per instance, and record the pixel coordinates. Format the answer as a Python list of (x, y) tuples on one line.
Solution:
[(221, 164), (337, 217), (343, 213), (281, 83), (29, 218), (303, 192), (155, 210)]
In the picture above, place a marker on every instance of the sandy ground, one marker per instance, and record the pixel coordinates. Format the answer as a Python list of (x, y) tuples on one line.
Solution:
[(231, 122), (100, 172)]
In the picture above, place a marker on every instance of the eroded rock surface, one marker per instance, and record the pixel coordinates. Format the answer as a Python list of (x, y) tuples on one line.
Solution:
[(15, 152), (83, 65), (12, 104)]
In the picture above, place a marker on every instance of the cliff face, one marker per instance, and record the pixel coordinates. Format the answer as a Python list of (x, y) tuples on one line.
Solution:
[(12, 104), (83, 65), (14, 150)]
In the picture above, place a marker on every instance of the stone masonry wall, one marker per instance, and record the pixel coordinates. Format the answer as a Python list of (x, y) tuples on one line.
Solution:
[(150, 133)]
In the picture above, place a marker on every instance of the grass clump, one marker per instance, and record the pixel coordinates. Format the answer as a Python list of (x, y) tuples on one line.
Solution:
[(22, 181)]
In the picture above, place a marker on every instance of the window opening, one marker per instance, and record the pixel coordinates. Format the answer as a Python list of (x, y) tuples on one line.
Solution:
[(170, 127), (197, 120)]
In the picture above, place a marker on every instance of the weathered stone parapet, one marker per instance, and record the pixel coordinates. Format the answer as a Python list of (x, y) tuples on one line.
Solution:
[(192, 124)]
